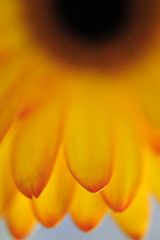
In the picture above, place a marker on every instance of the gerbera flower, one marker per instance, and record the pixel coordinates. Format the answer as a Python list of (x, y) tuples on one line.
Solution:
[(79, 111)]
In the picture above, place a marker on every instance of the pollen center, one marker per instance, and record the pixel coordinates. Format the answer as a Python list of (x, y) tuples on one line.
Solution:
[(93, 19)]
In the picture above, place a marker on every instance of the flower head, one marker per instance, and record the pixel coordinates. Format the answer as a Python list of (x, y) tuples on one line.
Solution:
[(80, 122)]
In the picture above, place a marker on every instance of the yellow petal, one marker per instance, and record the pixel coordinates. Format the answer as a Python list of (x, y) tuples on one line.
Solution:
[(11, 94), (146, 89), (127, 169), (7, 186), (154, 172), (149, 99), (54, 201), (88, 141), (87, 209), (19, 216), (35, 148), (135, 220)]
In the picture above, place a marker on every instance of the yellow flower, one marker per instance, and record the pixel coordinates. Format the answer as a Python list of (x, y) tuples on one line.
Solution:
[(79, 113)]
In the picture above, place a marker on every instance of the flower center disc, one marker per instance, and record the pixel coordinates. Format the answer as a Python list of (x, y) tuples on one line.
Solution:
[(93, 20), (93, 35)]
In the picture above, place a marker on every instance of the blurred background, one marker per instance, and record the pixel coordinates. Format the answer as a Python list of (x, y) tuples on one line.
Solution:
[(107, 230)]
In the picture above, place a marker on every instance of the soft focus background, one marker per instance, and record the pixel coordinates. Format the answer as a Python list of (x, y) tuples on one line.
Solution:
[(107, 230)]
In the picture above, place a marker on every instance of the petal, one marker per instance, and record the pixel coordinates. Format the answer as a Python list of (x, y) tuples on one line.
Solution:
[(135, 220), (19, 216), (146, 89), (11, 93), (87, 209), (54, 201), (7, 186), (127, 170), (154, 172), (149, 99), (35, 148), (88, 142)]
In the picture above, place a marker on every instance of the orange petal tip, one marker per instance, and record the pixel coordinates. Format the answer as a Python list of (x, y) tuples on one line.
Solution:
[(86, 227), (119, 207), (29, 191)]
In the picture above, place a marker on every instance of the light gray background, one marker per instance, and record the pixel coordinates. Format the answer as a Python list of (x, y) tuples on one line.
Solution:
[(106, 231)]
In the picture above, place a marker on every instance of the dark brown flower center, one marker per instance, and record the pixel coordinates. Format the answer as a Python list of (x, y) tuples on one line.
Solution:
[(93, 20), (93, 34)]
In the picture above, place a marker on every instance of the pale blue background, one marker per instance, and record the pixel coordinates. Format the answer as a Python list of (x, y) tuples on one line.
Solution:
[(106, 231)]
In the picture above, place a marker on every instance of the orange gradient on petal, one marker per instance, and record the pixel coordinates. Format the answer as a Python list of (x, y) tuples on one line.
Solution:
[(54, 202), (87, 209)]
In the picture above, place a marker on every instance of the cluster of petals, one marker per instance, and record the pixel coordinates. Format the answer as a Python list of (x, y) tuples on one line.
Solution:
[(72, 142)]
